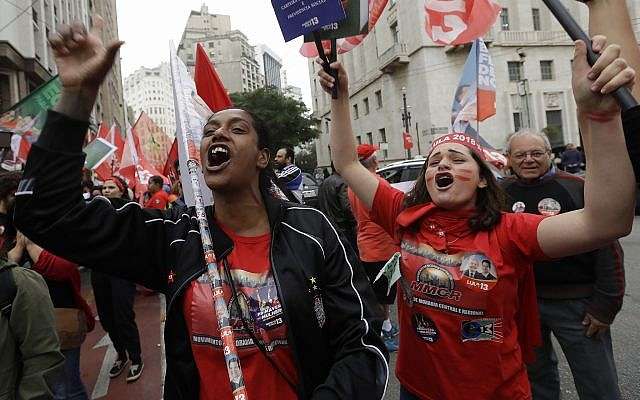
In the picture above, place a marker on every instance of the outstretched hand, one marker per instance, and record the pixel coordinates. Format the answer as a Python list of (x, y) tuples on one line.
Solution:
[(592, 86), (82, 59)]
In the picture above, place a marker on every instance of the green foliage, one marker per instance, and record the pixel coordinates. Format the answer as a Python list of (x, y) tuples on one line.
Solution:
[(289, 121)]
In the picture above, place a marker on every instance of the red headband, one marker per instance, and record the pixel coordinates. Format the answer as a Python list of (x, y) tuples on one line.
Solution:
[(117, 182), (460, 138)]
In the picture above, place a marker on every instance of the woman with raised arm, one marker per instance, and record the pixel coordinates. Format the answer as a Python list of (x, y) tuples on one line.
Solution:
[(462, 335), (299, 304)]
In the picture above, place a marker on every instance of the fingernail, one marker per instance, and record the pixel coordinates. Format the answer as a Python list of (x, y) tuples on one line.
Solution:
[(603, 91), (594, 87), (591, 75)]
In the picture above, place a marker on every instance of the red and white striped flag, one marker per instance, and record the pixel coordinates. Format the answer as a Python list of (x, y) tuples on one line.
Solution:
[(451, 22)]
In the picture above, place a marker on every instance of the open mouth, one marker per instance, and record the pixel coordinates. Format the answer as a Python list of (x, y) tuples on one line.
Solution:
[(443, 180), (218, 156)]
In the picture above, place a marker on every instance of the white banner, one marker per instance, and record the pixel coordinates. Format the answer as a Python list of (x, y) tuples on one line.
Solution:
[(191, 115)]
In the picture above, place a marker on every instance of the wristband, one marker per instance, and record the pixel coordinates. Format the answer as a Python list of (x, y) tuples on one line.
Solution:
[(600, 117)]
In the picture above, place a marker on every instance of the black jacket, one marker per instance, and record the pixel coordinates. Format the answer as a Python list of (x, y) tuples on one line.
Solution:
[(344, 358), (597, 275)]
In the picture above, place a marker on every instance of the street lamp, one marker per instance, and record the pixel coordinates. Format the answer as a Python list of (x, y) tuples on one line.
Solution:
[(406, 118)]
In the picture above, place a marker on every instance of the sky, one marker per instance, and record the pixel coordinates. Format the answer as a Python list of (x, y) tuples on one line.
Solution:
[(147, 26)]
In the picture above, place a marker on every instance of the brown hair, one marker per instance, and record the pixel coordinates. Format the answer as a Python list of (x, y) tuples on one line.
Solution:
[(489, 201)]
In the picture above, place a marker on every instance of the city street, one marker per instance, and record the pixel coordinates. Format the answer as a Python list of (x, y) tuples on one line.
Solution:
[(97, 355)]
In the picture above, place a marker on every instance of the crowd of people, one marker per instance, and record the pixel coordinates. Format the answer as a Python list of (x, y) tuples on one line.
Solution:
[(483, 271)]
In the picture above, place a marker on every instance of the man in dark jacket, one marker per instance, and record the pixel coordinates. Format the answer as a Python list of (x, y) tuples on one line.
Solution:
[(578, 296), (334, 202), (309, 286)]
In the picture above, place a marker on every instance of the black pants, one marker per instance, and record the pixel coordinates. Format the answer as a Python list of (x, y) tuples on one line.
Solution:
[(114, 301)]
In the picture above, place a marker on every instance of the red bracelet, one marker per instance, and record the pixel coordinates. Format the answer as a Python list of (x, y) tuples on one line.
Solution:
[(601, 117)]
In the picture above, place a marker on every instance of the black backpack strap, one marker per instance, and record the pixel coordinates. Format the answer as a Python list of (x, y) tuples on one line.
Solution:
[(8, 290)]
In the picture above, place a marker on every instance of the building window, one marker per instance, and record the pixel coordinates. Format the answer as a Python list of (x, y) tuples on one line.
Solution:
[(378, 99), (359, 139), (366, 106), (535, 14), (546, 70), (326, 126), (369, 137), (504, 19), (317, 104), (554, 121), (383, 139), (210, 44), (515, 70), (356, 115), (394, 32), (517, 121)]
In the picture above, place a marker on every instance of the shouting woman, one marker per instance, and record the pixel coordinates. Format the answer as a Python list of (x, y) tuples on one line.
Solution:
[(467, 301), (300, 305)]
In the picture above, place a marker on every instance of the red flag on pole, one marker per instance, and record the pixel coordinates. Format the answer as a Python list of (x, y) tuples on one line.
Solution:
[(408, 140), (208, 83), (169, 169), (458, 22)]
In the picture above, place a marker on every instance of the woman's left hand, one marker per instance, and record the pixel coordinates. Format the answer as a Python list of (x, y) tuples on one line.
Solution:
[(591, 85)]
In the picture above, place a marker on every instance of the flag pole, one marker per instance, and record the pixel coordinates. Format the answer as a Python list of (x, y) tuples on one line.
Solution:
[(477, 46), (220, 305)]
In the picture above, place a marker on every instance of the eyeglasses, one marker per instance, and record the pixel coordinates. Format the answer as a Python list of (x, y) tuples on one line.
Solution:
[(535, 154)]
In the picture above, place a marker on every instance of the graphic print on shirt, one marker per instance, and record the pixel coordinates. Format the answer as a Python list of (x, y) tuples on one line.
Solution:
[(518, 207), (479, 272), (256, 301), (549, 207), (482, 329), (456, 284)]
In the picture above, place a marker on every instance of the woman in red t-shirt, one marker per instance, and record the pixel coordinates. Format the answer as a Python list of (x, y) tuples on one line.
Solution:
[(467, 305)]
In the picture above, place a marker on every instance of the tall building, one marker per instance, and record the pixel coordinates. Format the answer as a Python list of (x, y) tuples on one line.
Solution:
[(271, 66), (532, 58), (150, 90), (26, 61), (230, 51), (110, 105)]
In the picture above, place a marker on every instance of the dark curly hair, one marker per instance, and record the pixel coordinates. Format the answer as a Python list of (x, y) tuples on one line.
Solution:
[(489, 202)]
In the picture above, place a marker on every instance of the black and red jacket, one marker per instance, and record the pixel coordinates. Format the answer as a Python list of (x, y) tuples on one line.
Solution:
[(344, 358)]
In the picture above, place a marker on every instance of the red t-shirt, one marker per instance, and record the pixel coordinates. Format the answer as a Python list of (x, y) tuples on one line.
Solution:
[(159, 200), (260, 304), (459, 300), (374, 243)]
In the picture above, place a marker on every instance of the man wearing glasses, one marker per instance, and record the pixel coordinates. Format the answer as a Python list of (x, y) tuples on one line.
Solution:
[(578, 296)]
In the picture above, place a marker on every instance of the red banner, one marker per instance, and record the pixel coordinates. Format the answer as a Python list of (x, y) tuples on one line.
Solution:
[(152, 141), (408, 140), (208, 83), (451, 22)]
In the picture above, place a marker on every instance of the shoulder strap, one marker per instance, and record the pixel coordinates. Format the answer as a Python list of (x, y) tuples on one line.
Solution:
[(8, 290)]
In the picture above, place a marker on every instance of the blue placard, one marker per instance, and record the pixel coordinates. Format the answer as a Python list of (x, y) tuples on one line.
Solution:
[(298, 17)]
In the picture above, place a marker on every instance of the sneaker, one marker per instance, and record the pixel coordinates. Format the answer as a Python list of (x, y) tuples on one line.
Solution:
[(118, 367), (391, 344), (134, 372), (390, 334)]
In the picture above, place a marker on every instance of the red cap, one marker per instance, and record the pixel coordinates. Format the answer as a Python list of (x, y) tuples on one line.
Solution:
[(365, 151)]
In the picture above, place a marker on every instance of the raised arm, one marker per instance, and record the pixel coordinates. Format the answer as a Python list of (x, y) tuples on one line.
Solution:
[(610, 18), (122, 240), (609, 189), (343, 143)]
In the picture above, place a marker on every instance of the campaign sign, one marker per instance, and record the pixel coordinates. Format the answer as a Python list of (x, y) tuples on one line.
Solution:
[(356, 23), (297, 17)]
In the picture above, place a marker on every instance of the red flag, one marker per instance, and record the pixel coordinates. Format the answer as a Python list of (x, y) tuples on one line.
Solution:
[(112, 163), (169, 170), (208, 83), (457, 21), (408, 140), (152, 141)]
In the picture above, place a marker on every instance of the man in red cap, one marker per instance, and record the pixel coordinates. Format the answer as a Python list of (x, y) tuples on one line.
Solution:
[(375, 246)]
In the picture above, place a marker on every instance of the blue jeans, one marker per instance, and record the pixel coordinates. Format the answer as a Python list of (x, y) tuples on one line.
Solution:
[(406, 395), (590, 359), (70, 386)]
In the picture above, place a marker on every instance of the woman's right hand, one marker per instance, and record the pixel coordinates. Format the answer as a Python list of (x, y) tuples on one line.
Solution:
[(327, 81), (82, 59)]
